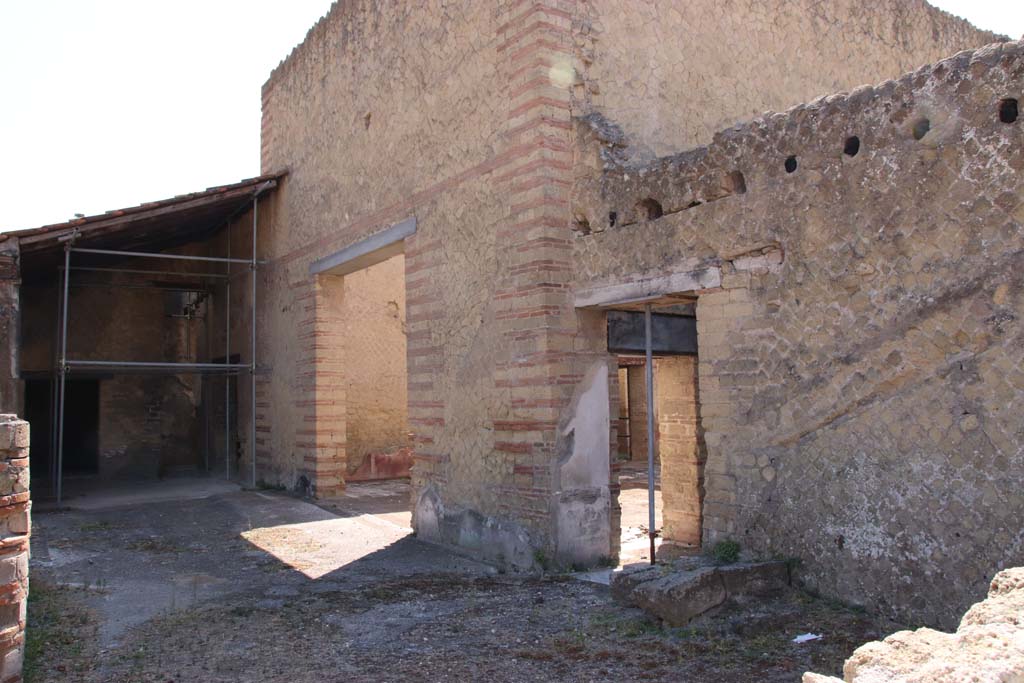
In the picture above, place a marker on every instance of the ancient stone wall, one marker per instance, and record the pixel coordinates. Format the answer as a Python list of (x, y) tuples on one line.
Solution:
[(438, 111), (622, 431), (673, 73), (638, 413), (856, 263), (15, 526), (458, 115)]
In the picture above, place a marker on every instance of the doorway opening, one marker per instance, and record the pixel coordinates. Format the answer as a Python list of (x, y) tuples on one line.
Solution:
[(662, 453), (361, 370), (377, 439), (81, 425)]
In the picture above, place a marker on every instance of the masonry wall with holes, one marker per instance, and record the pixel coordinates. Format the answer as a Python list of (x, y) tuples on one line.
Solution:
[(859, 323), (460, 115)]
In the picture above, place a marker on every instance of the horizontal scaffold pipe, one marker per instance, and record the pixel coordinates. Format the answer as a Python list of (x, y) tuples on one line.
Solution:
[(150, 254)]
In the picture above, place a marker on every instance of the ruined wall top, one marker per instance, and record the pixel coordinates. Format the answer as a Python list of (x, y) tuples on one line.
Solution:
[(316, 34), (923, 109), (672, 73)]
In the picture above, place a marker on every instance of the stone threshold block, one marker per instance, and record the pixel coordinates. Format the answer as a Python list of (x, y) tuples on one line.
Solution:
[(684, 590)]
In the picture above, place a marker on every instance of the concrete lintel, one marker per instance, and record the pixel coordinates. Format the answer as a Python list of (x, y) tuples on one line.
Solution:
[(366, 252), (648, 288)]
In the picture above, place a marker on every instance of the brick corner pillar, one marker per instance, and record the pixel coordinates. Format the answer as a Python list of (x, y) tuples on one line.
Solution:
[(557, 487), (322, 435), (10, 386), (14, 542)]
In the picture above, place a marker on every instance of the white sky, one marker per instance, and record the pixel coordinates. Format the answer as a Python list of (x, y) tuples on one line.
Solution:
[(110, 103)]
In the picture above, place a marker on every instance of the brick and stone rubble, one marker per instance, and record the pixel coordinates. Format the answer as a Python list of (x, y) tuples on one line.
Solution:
[(687, 588), (14, 544), (987, 647)]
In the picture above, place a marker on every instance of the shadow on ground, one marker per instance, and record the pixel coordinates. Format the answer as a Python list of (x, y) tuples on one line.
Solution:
[(257, 586)]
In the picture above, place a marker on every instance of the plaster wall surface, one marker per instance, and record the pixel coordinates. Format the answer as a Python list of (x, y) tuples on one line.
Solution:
[(584, 474), (860, 361), (673, 73)]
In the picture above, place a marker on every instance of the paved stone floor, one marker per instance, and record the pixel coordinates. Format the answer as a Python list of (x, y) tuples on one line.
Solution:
[(260, 586)]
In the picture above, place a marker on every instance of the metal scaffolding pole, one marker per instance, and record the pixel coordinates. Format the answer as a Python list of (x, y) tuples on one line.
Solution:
[(204, 386), (152, 254), (142, 271), (63, 366), (63, 374), (52, 451), (227, 359), (183, 367), (252, 416), (54, 384), (649, 376), (121, 285)]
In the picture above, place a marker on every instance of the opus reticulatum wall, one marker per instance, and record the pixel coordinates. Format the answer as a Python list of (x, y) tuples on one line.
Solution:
[(856, 263)]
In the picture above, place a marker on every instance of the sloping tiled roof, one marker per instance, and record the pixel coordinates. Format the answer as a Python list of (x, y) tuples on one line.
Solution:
[(149, 226)]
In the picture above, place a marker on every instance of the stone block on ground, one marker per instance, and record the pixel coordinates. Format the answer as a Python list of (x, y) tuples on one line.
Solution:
[(988, 647), (680, 597), (683, 591), (625, 581)]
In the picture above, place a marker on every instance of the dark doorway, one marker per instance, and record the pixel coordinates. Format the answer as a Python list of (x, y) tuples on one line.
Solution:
[(38, 406), (82, 427), (81, 424)]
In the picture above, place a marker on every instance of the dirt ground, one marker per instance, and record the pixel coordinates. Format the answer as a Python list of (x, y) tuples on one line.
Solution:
[(258, 586)]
